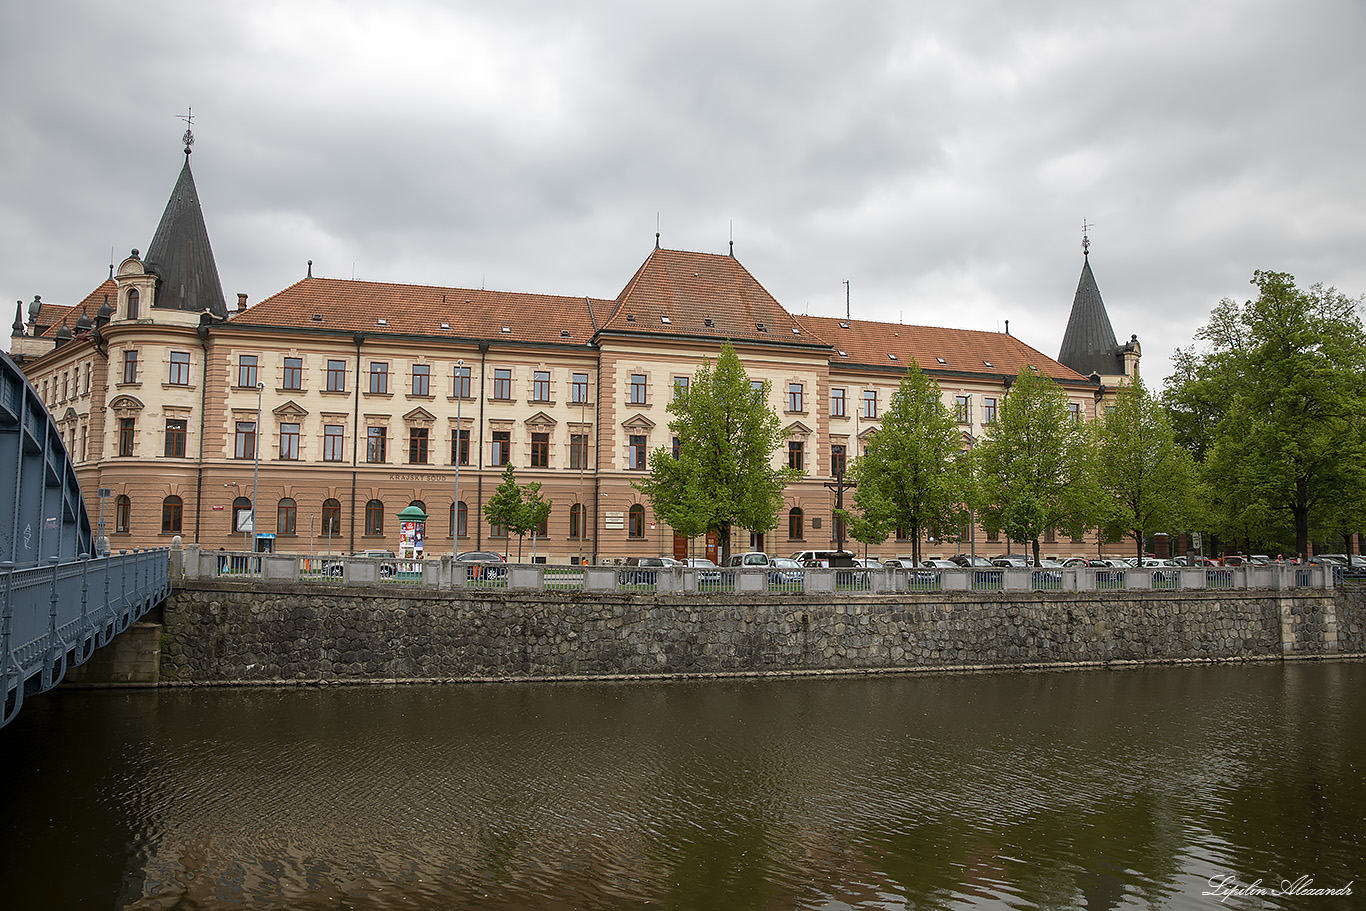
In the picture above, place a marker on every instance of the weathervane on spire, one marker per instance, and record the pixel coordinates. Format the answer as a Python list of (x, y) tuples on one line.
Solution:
[(1085, 240), (188, 138)]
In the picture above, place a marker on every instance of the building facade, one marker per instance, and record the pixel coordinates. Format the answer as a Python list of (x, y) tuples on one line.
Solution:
[(334, 404)]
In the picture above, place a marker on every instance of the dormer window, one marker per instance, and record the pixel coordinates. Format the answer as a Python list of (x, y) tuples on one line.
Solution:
[(132, 303), (709, 322), (759, 326), (630, 317)]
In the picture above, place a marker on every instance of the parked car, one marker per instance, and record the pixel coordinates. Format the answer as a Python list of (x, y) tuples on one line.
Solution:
[(1049, 563), (899, 563), (867, 563), (753, 558), (487, 564), (939, 564), (655, 562), (968, 560), (1010, 560), (790, 571), (699, 563), (386, 570), (817, 557)]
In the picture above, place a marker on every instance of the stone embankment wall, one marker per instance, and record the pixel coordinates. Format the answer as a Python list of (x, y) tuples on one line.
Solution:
[(224, 632)]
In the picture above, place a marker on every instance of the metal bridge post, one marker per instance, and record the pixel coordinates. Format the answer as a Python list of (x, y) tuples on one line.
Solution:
[(8, 666), (86, 627), (53, 646)]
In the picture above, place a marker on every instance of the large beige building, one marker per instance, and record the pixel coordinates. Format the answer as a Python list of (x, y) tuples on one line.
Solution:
[(336, 404)]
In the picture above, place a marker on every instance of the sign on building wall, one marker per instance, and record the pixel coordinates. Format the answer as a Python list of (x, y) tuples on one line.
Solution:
[(614, 520)]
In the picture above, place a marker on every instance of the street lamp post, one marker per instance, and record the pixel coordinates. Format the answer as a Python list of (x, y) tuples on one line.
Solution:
[(256, 469), (455, 507)]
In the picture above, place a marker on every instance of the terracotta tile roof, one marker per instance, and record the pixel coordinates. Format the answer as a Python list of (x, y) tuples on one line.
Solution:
[(679, 293), (352, 306), (937, 350), (51, 315)]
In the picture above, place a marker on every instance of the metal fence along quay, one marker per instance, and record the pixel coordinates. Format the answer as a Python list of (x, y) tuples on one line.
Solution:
[(447, 573)]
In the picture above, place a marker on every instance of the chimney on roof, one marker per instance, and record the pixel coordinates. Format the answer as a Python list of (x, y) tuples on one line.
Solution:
[(241, 302)]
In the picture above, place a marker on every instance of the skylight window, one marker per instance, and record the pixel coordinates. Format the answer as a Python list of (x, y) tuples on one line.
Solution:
[(630, 317), (709, 322), (564, 333), (760, 326), (843, 354), (445, 325), (507, 329), (941, 360), (844, 325), (989, 363), (666, 321), (381, 322), (892, 356), (796, 331)]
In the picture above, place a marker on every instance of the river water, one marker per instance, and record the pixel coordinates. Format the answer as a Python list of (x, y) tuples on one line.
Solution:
[(1078, 789)]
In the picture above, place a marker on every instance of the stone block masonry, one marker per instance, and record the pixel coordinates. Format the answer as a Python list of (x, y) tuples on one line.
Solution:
[(219, 632)]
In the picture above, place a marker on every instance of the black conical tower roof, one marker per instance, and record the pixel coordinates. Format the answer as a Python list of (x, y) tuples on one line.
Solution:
[(1088, 345), (181, 256)]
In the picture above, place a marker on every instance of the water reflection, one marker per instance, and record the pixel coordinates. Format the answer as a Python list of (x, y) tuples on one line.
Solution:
[(1115, 789)]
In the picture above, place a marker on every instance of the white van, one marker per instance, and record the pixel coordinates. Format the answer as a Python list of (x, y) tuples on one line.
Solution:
[(816, 557)]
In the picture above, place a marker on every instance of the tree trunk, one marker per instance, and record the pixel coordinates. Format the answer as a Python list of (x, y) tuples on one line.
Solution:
[(1138, 536), (915, 545), (1036, 551)]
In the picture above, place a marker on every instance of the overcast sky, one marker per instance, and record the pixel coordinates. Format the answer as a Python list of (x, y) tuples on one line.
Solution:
[(939, 156)]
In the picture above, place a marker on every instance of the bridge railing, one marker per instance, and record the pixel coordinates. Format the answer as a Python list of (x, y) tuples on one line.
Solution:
[(54, 616), (446, 573)]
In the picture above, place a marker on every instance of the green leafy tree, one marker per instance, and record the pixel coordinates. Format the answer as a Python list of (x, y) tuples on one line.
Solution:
[(535, 512), (1034, 467), (912, 474), (724, 474), (1147, 481), (505, 506), (1288, 444)]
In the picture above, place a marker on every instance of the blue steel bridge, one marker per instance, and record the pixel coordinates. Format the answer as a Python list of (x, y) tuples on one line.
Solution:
[(62, 598)]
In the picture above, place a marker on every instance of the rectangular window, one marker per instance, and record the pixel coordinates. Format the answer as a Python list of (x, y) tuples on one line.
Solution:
[(462, 382), (376, 444), (636, 453), (245, 447), (677, 448), (680, 387), (422, 379), (175, 439), (1074, 409), (757, 387), (87, 378), (180, 368), (502, 384), (126, 427), (638, 388), (332, 443), (993, 537), (417, 445), (836, 461), (578, 450), (870, 403), (837, 403), (289, 442), (1050, 535), (540, 450), (794, 454), (579, 389), (540, 386), (246, 371), (460, 448), (502, 447), (379, 378), (496, 530), (336, 376), (794, 396), (962, 409), (294, 374), (988, 410)]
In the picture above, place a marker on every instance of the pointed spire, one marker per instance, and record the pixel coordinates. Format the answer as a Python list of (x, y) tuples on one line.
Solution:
[(656, 240), (18, 326), (1088, 345), (181, 257)]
